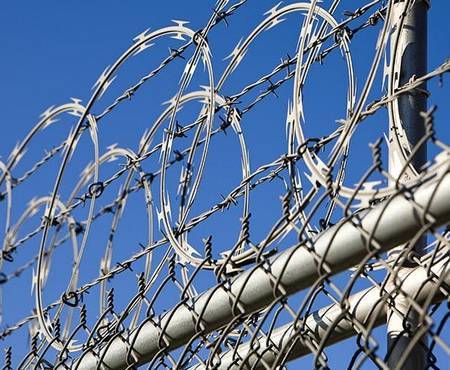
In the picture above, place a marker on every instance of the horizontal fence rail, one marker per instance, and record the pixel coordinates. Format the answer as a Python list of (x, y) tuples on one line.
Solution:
[(337, 322), (264, 201), (340, 247)]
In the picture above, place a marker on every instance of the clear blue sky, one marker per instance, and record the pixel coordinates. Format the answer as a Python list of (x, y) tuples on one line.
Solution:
[(51, 51)]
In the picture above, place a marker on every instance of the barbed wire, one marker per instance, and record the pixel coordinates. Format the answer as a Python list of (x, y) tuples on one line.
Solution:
[(270, 332)]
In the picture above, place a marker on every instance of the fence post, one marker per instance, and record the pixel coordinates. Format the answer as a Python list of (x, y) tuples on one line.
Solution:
[(406, 127)]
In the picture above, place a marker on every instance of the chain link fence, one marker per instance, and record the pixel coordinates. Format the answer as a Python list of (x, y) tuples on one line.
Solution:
[(318, 273)]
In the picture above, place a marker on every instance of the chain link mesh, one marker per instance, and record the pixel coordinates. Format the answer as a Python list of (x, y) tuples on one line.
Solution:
[(78, 314)]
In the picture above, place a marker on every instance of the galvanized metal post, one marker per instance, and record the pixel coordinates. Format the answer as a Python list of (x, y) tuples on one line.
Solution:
[(408, 60)]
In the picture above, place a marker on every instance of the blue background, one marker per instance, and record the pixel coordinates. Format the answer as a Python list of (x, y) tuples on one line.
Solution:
[(54, 50)]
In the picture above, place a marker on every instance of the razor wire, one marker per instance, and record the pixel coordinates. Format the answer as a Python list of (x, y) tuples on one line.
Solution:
[(89, 315)]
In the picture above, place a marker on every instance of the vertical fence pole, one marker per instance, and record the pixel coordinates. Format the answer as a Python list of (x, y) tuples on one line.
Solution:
[(409, 60)]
